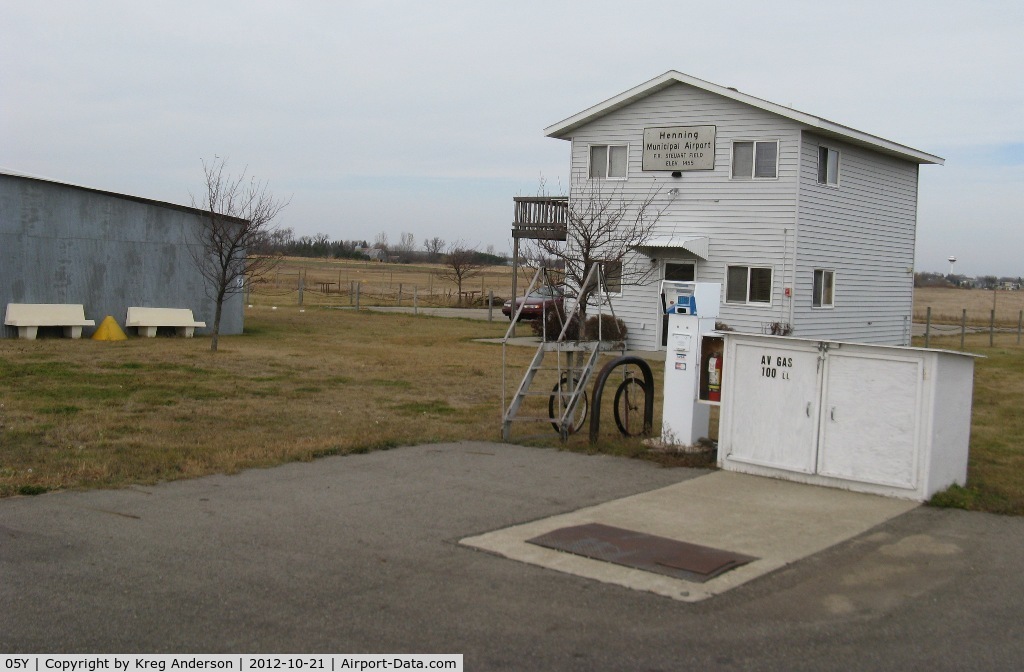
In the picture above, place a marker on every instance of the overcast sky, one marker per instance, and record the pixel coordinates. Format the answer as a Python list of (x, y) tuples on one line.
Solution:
[(428, 117)]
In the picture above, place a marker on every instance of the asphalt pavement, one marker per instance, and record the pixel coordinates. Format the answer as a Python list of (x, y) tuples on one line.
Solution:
[(364, 554)]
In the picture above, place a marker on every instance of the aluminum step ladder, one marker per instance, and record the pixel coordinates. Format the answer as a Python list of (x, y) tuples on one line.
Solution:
[(573, 376), (575, 361)]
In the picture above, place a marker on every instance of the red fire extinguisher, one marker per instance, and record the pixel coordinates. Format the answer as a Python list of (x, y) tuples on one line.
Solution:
[(715, 377)]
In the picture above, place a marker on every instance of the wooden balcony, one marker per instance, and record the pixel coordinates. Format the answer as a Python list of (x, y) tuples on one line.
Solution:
[(541, 217)]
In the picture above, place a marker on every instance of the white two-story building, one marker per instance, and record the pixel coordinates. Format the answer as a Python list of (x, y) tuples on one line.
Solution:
[(807, 224)]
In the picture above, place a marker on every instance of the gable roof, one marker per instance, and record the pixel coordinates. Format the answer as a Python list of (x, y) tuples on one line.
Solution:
[(564, 128), (7, 172)]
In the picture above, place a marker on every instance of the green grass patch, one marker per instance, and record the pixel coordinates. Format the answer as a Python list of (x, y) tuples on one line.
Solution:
[(393, 383), (48, 370), (60, 410), (995, 469), (425, 408)]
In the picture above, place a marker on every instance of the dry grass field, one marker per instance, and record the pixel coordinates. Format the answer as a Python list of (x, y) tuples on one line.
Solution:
[(314, 381), (948, 304), (334, 282), (296, 386)]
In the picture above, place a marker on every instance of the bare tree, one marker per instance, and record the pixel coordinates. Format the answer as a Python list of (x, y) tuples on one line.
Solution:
[(238, 222), (460, 264), (605, 226), (405, 247), (434, 248)]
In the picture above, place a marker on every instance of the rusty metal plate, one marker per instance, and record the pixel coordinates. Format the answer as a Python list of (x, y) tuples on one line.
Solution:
[(648, 552)]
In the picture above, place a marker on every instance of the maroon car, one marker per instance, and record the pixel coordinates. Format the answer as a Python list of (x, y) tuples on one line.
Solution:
[(535, 304)]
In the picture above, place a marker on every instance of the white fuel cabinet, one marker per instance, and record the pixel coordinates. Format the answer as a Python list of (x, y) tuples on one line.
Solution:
[(887, 420)]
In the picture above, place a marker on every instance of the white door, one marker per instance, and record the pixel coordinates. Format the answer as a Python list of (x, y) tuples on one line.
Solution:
[(869, 419), (776, 425)]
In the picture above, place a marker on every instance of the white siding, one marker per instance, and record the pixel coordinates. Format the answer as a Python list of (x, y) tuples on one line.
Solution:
[(747, 221), (864, 230)]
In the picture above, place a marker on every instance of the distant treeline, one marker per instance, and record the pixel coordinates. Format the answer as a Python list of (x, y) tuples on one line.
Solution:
[(926, 279), (283, 241)]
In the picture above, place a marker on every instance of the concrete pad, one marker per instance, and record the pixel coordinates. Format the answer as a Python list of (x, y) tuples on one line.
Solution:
[(778, 522)]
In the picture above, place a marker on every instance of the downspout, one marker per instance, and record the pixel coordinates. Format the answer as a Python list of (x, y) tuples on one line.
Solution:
[(785, 267), (796, 229)]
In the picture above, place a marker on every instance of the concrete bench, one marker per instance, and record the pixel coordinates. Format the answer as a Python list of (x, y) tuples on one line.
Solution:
[(28, 317), (146, 320)]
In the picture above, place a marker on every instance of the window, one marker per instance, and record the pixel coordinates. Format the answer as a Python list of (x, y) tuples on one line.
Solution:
[(828, 166), (610, 278), (608, 161), (755, 160), (748, 284), (612, 271), (680, 272), (824, 286)]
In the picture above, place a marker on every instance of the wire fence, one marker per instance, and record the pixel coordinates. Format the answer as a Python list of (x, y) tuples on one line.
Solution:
[(364, 295), (972, 324)]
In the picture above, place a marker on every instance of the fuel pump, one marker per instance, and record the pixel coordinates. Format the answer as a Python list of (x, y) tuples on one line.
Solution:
[(691, 315)]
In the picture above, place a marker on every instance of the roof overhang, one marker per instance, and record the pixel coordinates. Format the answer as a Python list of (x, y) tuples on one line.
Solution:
[(696, 245), (565, 128)]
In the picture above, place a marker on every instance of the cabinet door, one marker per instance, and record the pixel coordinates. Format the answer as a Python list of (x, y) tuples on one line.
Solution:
[(774, 419), (869, 423)]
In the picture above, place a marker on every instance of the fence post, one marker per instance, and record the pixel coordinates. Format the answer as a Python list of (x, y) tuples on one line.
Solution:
[(927, 326), (992, 329), (490, 308), (1020, 321), (301, 287), (351, 293), (415, 300), (963, 327), (399, 300), (357, 295)]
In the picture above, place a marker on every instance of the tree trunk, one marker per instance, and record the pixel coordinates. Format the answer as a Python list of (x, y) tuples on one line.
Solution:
[(216, 321)]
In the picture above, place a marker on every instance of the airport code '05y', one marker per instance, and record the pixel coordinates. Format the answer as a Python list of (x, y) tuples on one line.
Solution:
[(163, 662)]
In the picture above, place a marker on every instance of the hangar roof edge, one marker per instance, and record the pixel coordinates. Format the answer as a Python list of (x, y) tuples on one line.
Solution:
[(139, 199)]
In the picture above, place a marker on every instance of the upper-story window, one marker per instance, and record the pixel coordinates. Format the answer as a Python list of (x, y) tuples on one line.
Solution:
[(828, 166), (823, 288), (755, 160), (608, 161)]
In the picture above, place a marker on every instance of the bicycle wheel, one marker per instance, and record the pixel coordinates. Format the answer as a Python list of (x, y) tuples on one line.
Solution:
[(630, 400), (559, 399)]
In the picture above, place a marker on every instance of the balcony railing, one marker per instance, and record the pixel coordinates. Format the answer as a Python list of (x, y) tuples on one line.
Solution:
[(541, 217)]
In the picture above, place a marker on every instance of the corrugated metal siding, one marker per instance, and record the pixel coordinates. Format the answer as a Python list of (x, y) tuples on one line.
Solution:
[(745, 220), (62, 244), (865, 230)]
